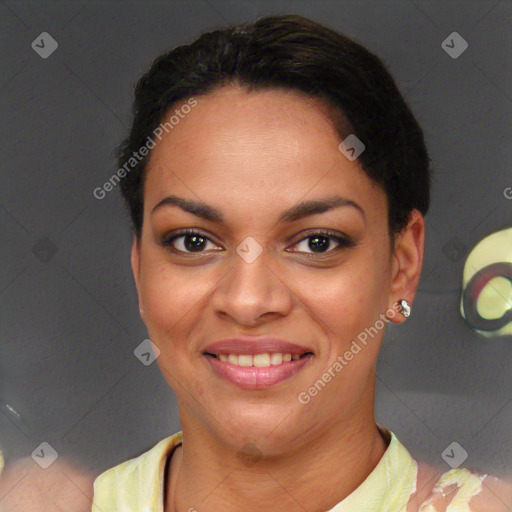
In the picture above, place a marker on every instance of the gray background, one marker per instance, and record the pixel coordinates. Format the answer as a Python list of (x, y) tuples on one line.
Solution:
[(69, 320)]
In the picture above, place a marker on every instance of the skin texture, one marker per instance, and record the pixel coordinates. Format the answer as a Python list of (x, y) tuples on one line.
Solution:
[(251, 156), (24, 486)]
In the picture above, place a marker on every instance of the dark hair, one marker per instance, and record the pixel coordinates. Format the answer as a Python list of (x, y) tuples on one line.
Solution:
[(295, 53)]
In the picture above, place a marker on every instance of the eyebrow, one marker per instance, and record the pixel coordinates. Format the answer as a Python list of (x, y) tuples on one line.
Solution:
[(297, 212)]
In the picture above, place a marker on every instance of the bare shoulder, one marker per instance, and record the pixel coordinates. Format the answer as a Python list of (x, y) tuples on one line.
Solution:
[(495, 496), (426, 480), (461, 489), (62, 486)]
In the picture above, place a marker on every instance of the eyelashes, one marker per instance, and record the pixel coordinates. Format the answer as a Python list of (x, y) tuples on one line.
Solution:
[(200, 241), (168, 240)]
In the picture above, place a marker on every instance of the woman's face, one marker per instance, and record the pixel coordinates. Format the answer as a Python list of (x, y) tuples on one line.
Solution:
[(251, 157)]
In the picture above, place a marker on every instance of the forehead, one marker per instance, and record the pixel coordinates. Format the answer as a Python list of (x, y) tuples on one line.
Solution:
[(255, 150)]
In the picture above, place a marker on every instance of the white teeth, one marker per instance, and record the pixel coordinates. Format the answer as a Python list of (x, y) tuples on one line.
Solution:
[(276, 358), (258, 360), (261, 360), (244, 360)]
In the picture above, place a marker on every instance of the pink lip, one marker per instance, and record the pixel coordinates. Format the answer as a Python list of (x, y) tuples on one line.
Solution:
[(250, 377), (253, 345)]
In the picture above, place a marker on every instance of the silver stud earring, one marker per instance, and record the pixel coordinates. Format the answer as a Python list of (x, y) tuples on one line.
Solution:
[(405, 309)]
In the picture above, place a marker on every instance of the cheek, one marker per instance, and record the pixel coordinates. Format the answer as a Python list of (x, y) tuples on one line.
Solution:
[(172, 297), (349, 298), (348, 303)]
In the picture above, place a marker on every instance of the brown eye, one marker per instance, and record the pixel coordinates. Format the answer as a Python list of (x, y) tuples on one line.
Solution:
[(187, 241), (322, 242)]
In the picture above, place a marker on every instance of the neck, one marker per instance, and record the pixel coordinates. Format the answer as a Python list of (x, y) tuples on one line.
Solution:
[(315, 478)]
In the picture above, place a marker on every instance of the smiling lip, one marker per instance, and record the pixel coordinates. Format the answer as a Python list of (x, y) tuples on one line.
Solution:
[(252, 377), (253, 345)]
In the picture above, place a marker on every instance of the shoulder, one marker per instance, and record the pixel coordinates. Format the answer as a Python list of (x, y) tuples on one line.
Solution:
[(496, 495), (460, 489), (27, 486), (137, 480)]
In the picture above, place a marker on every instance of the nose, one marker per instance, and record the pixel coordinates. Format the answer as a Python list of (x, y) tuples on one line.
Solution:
[(252, 292)]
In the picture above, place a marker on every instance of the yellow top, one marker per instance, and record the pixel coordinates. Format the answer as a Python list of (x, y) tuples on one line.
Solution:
[(137, 485)]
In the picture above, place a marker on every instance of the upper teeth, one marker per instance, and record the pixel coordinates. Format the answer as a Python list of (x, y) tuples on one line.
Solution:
[(258, 360)]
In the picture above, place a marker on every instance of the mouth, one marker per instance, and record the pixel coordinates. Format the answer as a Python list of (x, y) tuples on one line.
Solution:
[(263, 360), (257, 371)]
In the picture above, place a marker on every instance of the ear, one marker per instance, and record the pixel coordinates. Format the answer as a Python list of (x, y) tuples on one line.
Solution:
[(407, 262), (135, 262)]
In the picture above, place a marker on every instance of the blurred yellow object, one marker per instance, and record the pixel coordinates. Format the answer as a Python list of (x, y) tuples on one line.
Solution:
[(486, 301)]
